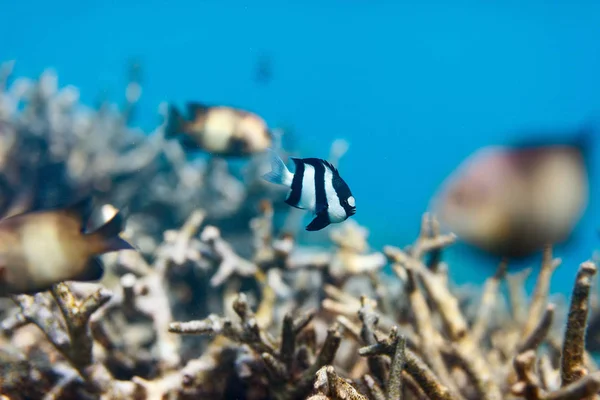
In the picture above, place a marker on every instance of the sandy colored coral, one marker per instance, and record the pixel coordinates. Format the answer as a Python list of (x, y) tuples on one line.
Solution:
[(224, 300)]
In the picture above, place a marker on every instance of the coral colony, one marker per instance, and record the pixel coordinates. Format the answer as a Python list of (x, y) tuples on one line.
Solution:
[(216, 302)]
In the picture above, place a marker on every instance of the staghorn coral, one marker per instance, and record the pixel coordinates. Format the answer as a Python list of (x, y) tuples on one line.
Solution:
[(224, 300)]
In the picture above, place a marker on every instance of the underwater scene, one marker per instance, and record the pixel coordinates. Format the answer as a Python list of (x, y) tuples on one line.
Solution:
[(299, 200)]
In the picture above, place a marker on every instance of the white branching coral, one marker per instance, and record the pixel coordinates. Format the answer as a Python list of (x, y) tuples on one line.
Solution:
[(224, 300)]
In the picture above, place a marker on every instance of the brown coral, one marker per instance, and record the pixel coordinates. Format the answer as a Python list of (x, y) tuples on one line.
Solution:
[(263, 316)]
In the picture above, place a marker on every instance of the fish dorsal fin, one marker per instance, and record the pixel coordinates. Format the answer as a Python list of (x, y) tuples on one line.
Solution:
[(330, 166), (197, 109), (315, 161), (109, 233), (581, 137)]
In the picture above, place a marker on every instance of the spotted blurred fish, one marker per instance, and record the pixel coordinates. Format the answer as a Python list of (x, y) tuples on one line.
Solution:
[(220, 130), (315, 185), (510, 201), (42, 248)]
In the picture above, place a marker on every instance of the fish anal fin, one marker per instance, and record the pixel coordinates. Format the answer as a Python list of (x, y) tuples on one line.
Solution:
[(238, 146), (196, 109), (188, 143), (319, 222), (93, 271)]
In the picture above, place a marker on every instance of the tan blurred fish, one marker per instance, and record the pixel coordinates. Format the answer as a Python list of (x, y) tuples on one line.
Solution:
[(220, 130), (510, 201), (42, 248)]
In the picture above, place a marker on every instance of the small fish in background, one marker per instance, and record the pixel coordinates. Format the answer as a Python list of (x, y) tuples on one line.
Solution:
[(263, 72), (315, 185), (41, 248), (511, 201), (220, 130)]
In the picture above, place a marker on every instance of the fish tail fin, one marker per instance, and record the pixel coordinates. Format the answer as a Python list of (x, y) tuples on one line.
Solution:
[(108, 235), (279, 173), (175, 122)]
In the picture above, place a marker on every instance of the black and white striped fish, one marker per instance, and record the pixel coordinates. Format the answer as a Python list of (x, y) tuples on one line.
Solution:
[(315, 185)]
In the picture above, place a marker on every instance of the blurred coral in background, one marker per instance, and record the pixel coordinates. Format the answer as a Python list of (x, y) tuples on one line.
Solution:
[(222, 300)]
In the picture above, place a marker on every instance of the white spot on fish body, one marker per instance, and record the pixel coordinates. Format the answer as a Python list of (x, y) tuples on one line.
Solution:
[(351, 201)]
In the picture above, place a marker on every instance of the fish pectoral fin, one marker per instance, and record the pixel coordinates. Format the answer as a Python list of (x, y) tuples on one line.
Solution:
[(319, 222), (93, 271)]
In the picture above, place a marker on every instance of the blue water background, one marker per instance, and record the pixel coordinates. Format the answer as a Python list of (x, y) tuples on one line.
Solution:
[(414, 86)]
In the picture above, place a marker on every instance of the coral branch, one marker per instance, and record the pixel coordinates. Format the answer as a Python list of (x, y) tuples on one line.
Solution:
[(77, 315), (540, 293), (583, 388), (394, 385), (539, 333), (425, 378), (426, 329), (331, 385), (572, 363), (488, 300), (269, 315)]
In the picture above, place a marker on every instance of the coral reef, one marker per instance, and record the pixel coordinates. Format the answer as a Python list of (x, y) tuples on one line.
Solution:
[(224, 301)]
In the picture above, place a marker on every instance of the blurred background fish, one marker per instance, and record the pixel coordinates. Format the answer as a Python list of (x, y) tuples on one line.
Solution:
[(263, 72), (510, 201), (42, 248), (220, 130)]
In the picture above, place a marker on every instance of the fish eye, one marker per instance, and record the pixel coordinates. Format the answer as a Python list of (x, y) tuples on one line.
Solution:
[(351, 201)]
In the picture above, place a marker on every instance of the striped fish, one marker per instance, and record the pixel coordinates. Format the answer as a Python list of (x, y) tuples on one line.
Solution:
[(316, 186)]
